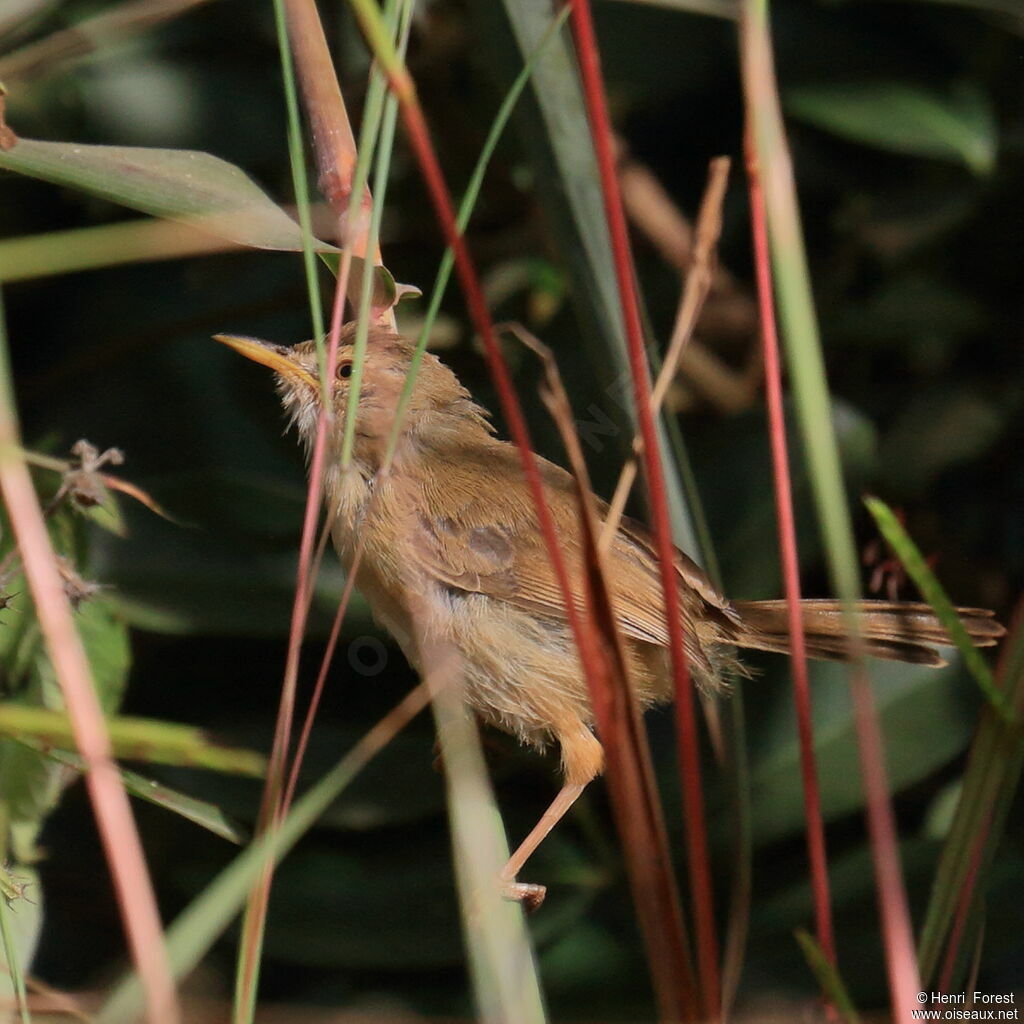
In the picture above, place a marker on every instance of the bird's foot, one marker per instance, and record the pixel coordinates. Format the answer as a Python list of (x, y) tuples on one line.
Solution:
[(531, 896)]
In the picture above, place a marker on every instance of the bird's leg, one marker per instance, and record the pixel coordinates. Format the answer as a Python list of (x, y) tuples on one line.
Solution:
[(582, 759), (530, 895)]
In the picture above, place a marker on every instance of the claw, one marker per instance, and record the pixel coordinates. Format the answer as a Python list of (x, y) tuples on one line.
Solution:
[(531, 896)]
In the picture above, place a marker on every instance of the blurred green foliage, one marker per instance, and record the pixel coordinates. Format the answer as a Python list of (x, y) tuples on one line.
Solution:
[(908, 138)]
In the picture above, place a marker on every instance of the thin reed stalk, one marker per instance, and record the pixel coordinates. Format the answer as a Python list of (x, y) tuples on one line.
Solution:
[(786, 524), (800, 332), (342, 179), (121, 844), (584, 632), (689, 745)]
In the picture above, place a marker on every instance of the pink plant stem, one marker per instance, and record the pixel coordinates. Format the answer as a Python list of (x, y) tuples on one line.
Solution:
[(271, 807), (768, 133), (790, 561), (689, 746), (594, 661), (480, 315), (321, 679), (901, 959), (121, 843)]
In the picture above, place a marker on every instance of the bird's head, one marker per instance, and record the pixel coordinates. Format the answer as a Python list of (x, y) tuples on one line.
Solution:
[(438, 401)]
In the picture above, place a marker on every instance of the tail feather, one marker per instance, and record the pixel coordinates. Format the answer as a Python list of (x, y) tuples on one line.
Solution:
[(894, 630)]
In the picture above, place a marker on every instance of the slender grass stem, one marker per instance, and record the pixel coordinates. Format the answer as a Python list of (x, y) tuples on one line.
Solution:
[(786, 524), (806, 364), (689, 746), (120, 837)]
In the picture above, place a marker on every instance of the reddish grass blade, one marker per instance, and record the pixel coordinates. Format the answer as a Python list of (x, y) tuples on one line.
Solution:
[(816, 852), (806, 364), (404, 89), (699, 280), (689, 744), (321, 680), (114, 820), (336, 159), (964, 904), (630, 776)]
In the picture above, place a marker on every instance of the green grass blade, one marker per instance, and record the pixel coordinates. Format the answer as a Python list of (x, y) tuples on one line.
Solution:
[(13, 962), (139, 739), (385, 107), (465, 211), (770, 154), (829, 979), (199, 812), (579, 218), (991, 779), (197, 188), (209, 915), (932, 591), (300, 173), (504, 975)]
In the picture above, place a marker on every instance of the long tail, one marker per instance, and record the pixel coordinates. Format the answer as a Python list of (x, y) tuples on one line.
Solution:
[(895, 630)]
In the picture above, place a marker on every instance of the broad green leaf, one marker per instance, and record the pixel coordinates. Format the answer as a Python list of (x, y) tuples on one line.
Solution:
[(30, 783), (105, 638), (197, 189), (199, 812), (905, 118), (922, 714), (137, 739), (200, 189)]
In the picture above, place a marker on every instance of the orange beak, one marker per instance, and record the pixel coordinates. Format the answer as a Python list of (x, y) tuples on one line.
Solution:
[(277, 357)]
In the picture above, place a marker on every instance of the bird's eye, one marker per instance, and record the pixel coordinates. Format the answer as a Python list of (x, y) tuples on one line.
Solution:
[(344, 371)]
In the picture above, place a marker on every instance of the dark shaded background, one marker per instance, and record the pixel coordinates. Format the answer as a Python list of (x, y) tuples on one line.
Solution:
[(916, 267)]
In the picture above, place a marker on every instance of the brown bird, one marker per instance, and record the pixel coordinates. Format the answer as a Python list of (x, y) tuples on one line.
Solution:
[(453, 523)]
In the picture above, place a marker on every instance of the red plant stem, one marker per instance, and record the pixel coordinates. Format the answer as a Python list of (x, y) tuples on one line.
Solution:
[(901, 960), (963, 906), (272, 805), (594, 664), (689, 745), (762, 102), (480, 315), (321, 679), (121, 844), (790, 561)]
